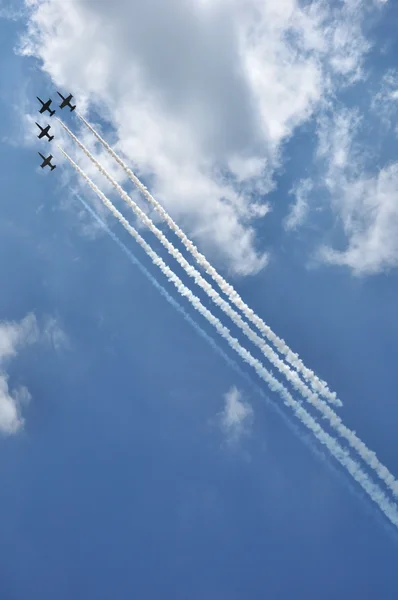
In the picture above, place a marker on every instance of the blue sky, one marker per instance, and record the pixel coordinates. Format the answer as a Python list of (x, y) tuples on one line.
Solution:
[(139, 462)]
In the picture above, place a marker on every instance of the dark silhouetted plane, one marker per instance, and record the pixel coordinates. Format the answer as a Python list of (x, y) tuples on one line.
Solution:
[(44, 132), (45, 106), (47, 162), (66, 102)]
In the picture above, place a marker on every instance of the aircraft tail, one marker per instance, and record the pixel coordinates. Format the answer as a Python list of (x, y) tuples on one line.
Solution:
[(72, 108), (41, 131), (50, 137), (51, 112), (53, 167)]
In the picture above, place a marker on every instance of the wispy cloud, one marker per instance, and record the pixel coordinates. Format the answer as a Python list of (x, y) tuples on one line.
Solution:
[(10, 13), (385, 102), (55, 335), (299, 209), (14, 336), (237, 416), (370, 218), (362, 196)]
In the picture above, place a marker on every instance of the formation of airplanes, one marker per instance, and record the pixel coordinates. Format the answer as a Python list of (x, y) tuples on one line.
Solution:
[(45, 107)]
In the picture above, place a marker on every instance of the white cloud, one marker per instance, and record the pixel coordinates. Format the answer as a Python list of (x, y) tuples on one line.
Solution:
[(299, 210), (13, 336), (370, 209), (10, 13), (365, 199), (237, 416), (336, 142), (348, 41), (385, 101), (202, 95), (54, 334)]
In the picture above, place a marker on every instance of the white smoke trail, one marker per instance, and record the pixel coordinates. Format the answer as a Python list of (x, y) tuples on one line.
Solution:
[(230, 362), (317, 384), (373, 490), (292, 425), (364, 452), (192, 272)]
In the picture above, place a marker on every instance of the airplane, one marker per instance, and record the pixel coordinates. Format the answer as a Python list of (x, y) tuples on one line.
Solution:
[(66, 102), (45, 106), (47, 162), (44, 132)]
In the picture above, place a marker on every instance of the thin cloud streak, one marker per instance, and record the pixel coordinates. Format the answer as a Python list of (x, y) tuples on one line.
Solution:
[(374, 491)]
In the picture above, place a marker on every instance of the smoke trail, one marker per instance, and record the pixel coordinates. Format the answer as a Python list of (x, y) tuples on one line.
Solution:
[(317, 384), (192, 272), (293, 426), (373, 490), (275, 407), (230, 362), (305, 439), (365, 453)]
